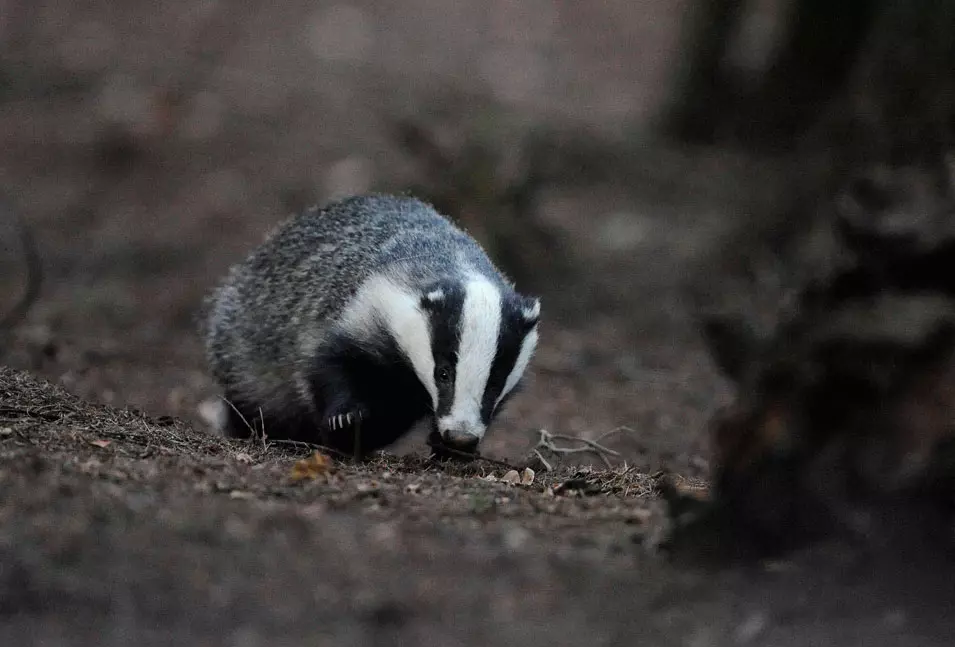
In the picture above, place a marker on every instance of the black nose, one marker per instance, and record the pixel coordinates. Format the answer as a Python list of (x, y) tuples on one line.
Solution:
[(443, 449), (461, 442)]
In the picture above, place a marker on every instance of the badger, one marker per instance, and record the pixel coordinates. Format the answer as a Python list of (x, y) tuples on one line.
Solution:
[(352, 323)]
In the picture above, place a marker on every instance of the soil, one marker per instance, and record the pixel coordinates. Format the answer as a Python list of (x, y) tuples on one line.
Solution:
[(122, 528), (123, 520)]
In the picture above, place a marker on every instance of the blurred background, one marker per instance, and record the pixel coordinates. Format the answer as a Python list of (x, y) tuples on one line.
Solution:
[(634, 163)]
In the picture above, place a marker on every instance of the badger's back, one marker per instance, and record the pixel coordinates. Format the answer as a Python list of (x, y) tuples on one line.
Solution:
[(277, 309)]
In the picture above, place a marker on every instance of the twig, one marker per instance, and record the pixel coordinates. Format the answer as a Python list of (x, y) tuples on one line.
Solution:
[(264, 436), (306, 445), (239, 413), (547, 466), (468, 455), (254, 434), (616, 430), (547, 440)]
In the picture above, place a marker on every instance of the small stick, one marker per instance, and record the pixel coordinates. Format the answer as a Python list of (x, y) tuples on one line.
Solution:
[(306, 445), (262, 419), (547, 439), (470, 456), (547, 466), (613, 431), (591, 444), (239, 413)]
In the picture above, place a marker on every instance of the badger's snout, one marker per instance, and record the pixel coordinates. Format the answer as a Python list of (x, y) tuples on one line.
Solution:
[(463, 442), (460, 434)]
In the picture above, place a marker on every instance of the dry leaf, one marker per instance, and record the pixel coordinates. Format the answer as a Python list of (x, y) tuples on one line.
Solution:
[(242, 457), (527, 476), (240, 494), (6, 431), (100, 443), (511, 477), (491, 478), (315, 466)]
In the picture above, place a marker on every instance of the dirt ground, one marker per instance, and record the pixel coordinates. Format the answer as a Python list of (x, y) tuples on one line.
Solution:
[(120, 527)]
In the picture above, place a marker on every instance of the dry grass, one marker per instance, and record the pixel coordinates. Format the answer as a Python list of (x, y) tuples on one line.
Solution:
[(164, 454)]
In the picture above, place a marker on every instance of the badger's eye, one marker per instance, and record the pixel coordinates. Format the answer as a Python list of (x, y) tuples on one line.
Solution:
[(443, 374)]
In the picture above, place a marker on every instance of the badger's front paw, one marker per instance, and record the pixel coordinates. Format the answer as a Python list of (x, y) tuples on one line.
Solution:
[(347, 419), (342, 430)]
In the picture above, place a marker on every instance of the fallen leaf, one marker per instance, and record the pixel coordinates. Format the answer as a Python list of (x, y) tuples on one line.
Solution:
[(491, 478), (242, 457), (6, 431), (315, 466), (412, 488), (527, 476), (240, 494), (511, 477), (100, 443)]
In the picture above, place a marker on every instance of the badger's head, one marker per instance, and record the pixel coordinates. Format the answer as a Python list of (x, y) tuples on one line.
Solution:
[(467, 340), (482, 337)]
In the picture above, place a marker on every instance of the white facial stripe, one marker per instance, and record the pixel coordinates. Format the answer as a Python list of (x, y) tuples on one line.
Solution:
[(533, 311), (520, 364), (381, 300), (480, 327)]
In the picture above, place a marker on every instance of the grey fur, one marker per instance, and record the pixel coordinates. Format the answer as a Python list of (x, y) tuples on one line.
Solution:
[(265, 322)]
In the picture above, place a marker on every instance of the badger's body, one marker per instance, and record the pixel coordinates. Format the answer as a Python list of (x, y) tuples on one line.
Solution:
[(375, 310)]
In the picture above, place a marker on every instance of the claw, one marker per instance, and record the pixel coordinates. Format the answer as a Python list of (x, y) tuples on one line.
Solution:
[(342, 421)]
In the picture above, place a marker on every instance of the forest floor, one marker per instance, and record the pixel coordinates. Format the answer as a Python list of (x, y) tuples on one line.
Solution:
[(121, 527), (123, 520)]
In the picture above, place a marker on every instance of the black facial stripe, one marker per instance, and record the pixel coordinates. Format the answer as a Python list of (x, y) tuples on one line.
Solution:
[(509, 341), (445, 322)]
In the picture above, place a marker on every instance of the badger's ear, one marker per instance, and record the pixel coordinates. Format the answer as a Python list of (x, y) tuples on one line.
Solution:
[(530, 311), (433, 298)]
